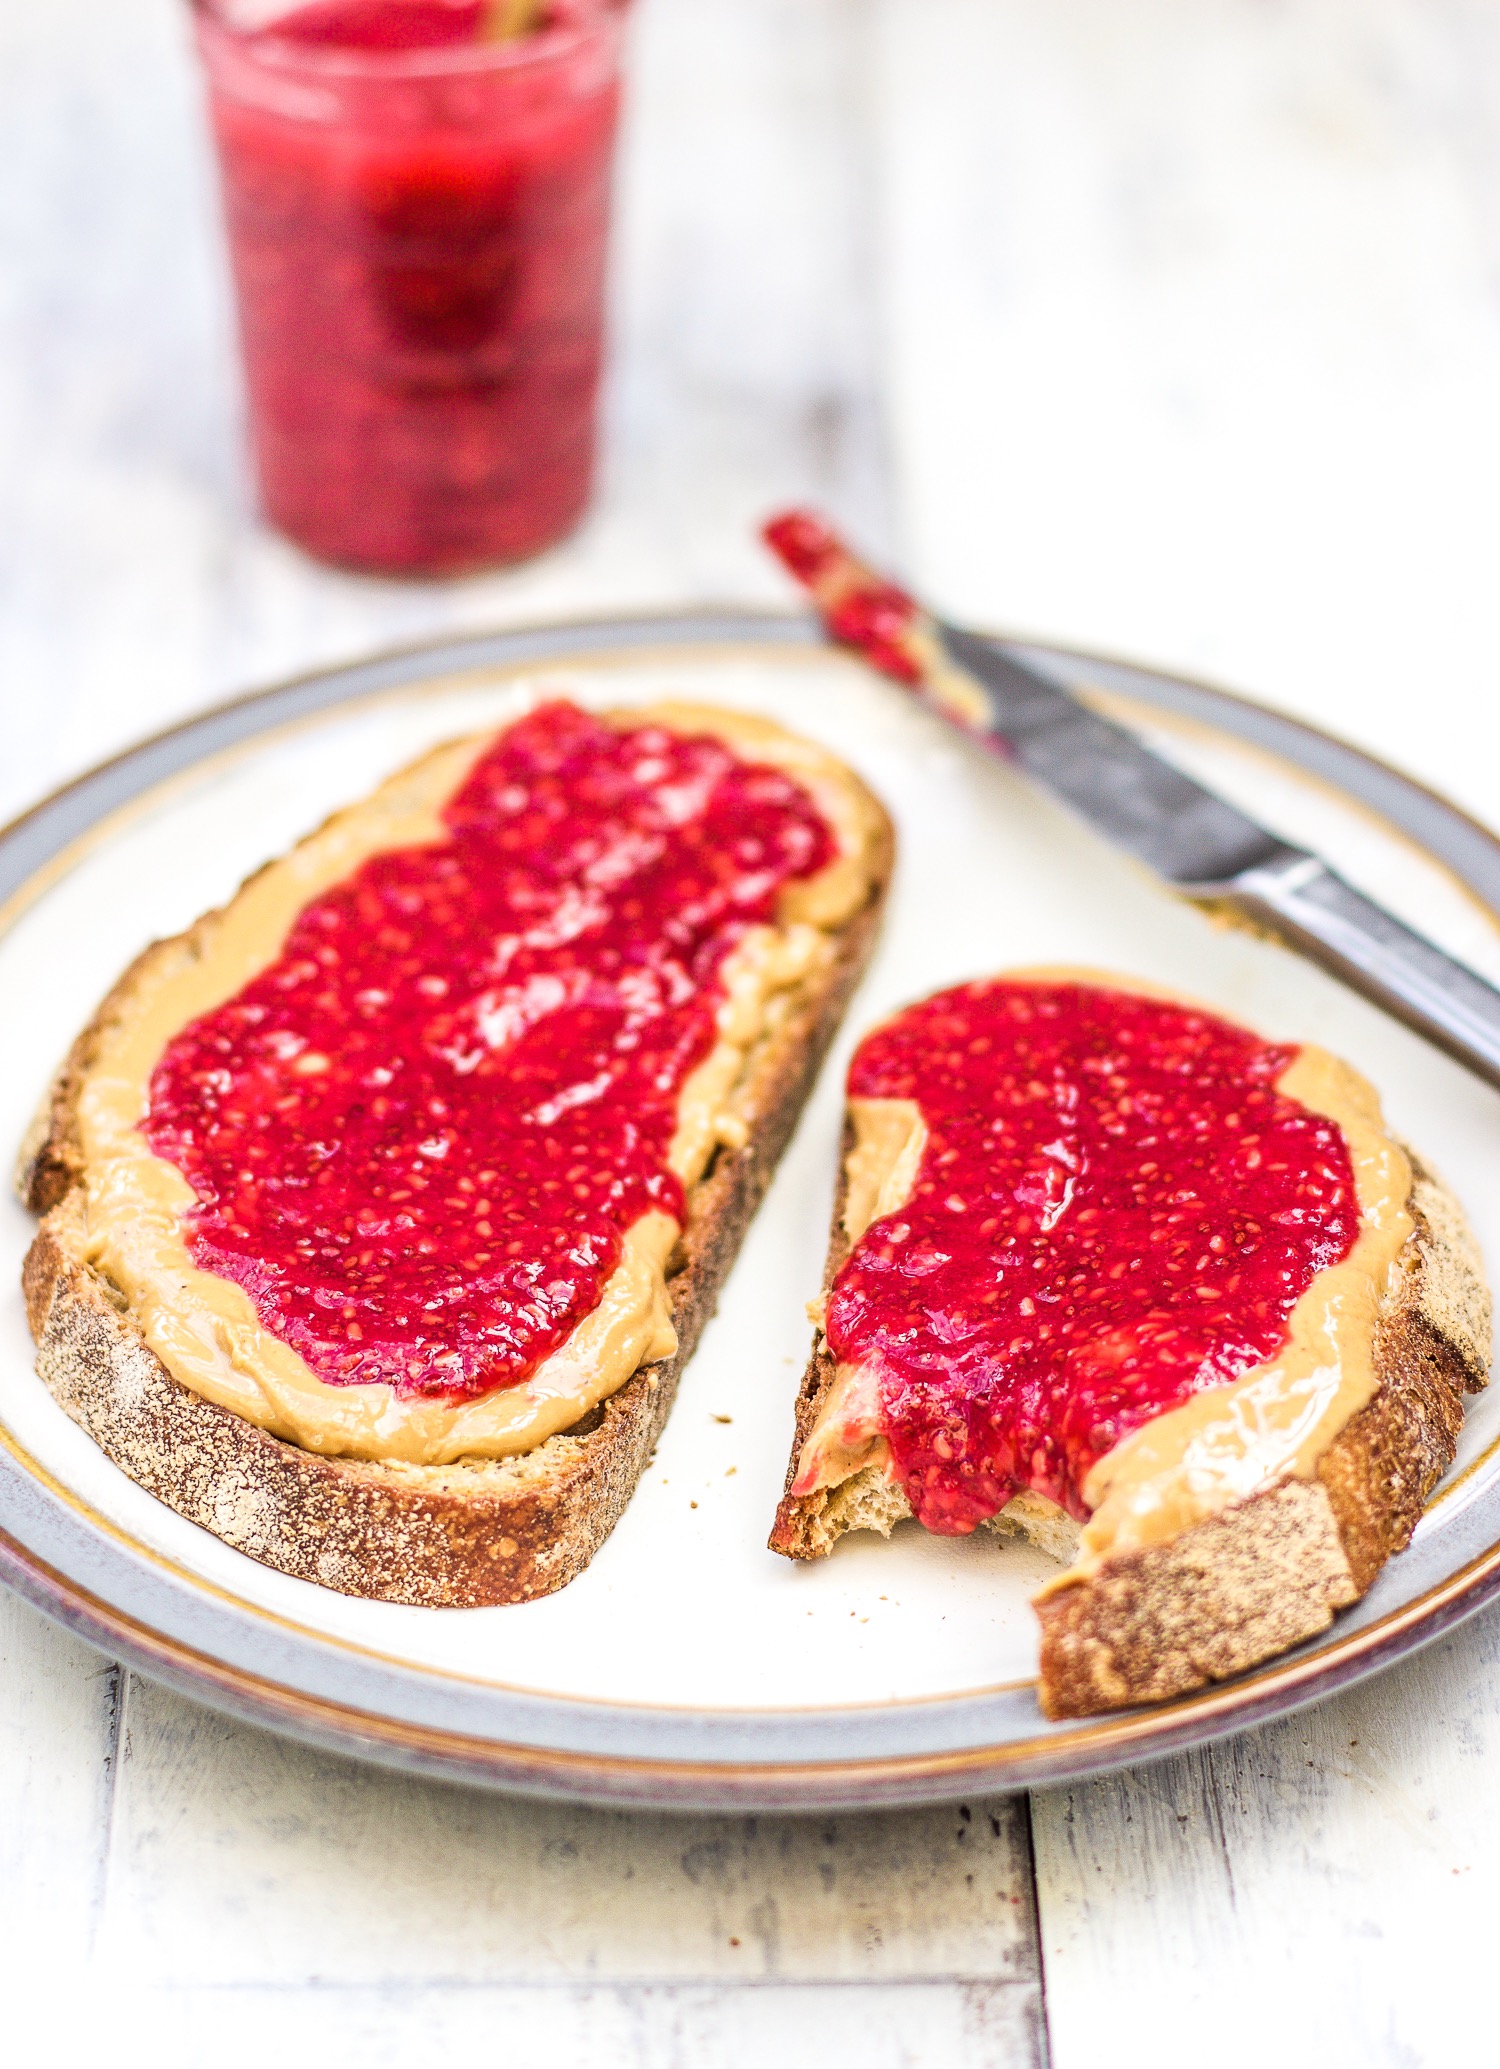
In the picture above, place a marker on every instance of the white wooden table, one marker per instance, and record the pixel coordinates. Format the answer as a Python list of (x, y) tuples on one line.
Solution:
[(1171, 326)]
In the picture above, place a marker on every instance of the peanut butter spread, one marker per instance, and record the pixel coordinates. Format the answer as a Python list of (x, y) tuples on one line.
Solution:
[(1221, 1444), (205, 1328)]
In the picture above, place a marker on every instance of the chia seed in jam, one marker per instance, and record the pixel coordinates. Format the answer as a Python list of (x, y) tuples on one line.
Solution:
[(1115, 1210)]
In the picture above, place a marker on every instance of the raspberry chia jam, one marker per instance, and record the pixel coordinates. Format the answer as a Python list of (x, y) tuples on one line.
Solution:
[(1116, 1208), (418, 1137), (417, 222)]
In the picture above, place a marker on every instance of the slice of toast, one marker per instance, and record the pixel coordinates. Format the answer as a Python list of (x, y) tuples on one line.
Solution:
[(473, 1532), (1266, 1572)]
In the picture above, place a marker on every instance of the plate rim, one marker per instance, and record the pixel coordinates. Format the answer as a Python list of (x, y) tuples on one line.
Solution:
[(38, 846)]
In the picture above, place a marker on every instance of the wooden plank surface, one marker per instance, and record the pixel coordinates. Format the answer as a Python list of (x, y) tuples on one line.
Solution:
[(59, 1708), (1320, 1892), (171, 1880)]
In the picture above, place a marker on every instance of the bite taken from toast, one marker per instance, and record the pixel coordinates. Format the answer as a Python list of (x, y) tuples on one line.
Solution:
[(383, 1208), (1112, 1272)]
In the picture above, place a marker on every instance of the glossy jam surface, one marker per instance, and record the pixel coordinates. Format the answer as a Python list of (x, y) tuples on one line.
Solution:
[(860, 608), (418, 1137), (1115, 1210), (383, 24), (419, 257)]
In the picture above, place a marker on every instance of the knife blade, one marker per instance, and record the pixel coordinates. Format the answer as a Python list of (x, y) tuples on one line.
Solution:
[(1203, 846)]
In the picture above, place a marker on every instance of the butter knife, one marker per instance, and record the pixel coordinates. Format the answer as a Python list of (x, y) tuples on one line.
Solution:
[(1203, 846)]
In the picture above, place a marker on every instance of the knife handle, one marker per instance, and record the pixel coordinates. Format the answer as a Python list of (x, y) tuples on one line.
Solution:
[(1315, 911)]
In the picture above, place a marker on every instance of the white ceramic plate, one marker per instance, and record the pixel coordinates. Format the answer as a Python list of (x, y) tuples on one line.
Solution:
[(689, 1664)]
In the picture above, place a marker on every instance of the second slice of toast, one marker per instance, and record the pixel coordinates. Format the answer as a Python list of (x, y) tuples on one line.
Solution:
[(1244, 1581)]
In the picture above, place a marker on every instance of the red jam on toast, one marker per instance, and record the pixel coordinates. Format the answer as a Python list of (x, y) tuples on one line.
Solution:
[(1115, 1209), (416, 1140)]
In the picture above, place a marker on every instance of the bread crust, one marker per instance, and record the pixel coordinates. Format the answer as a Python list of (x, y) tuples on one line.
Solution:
[(1267, 1573), (476, 1533)]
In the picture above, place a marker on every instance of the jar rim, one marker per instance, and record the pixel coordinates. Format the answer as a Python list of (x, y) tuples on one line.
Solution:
[(329, 61)]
